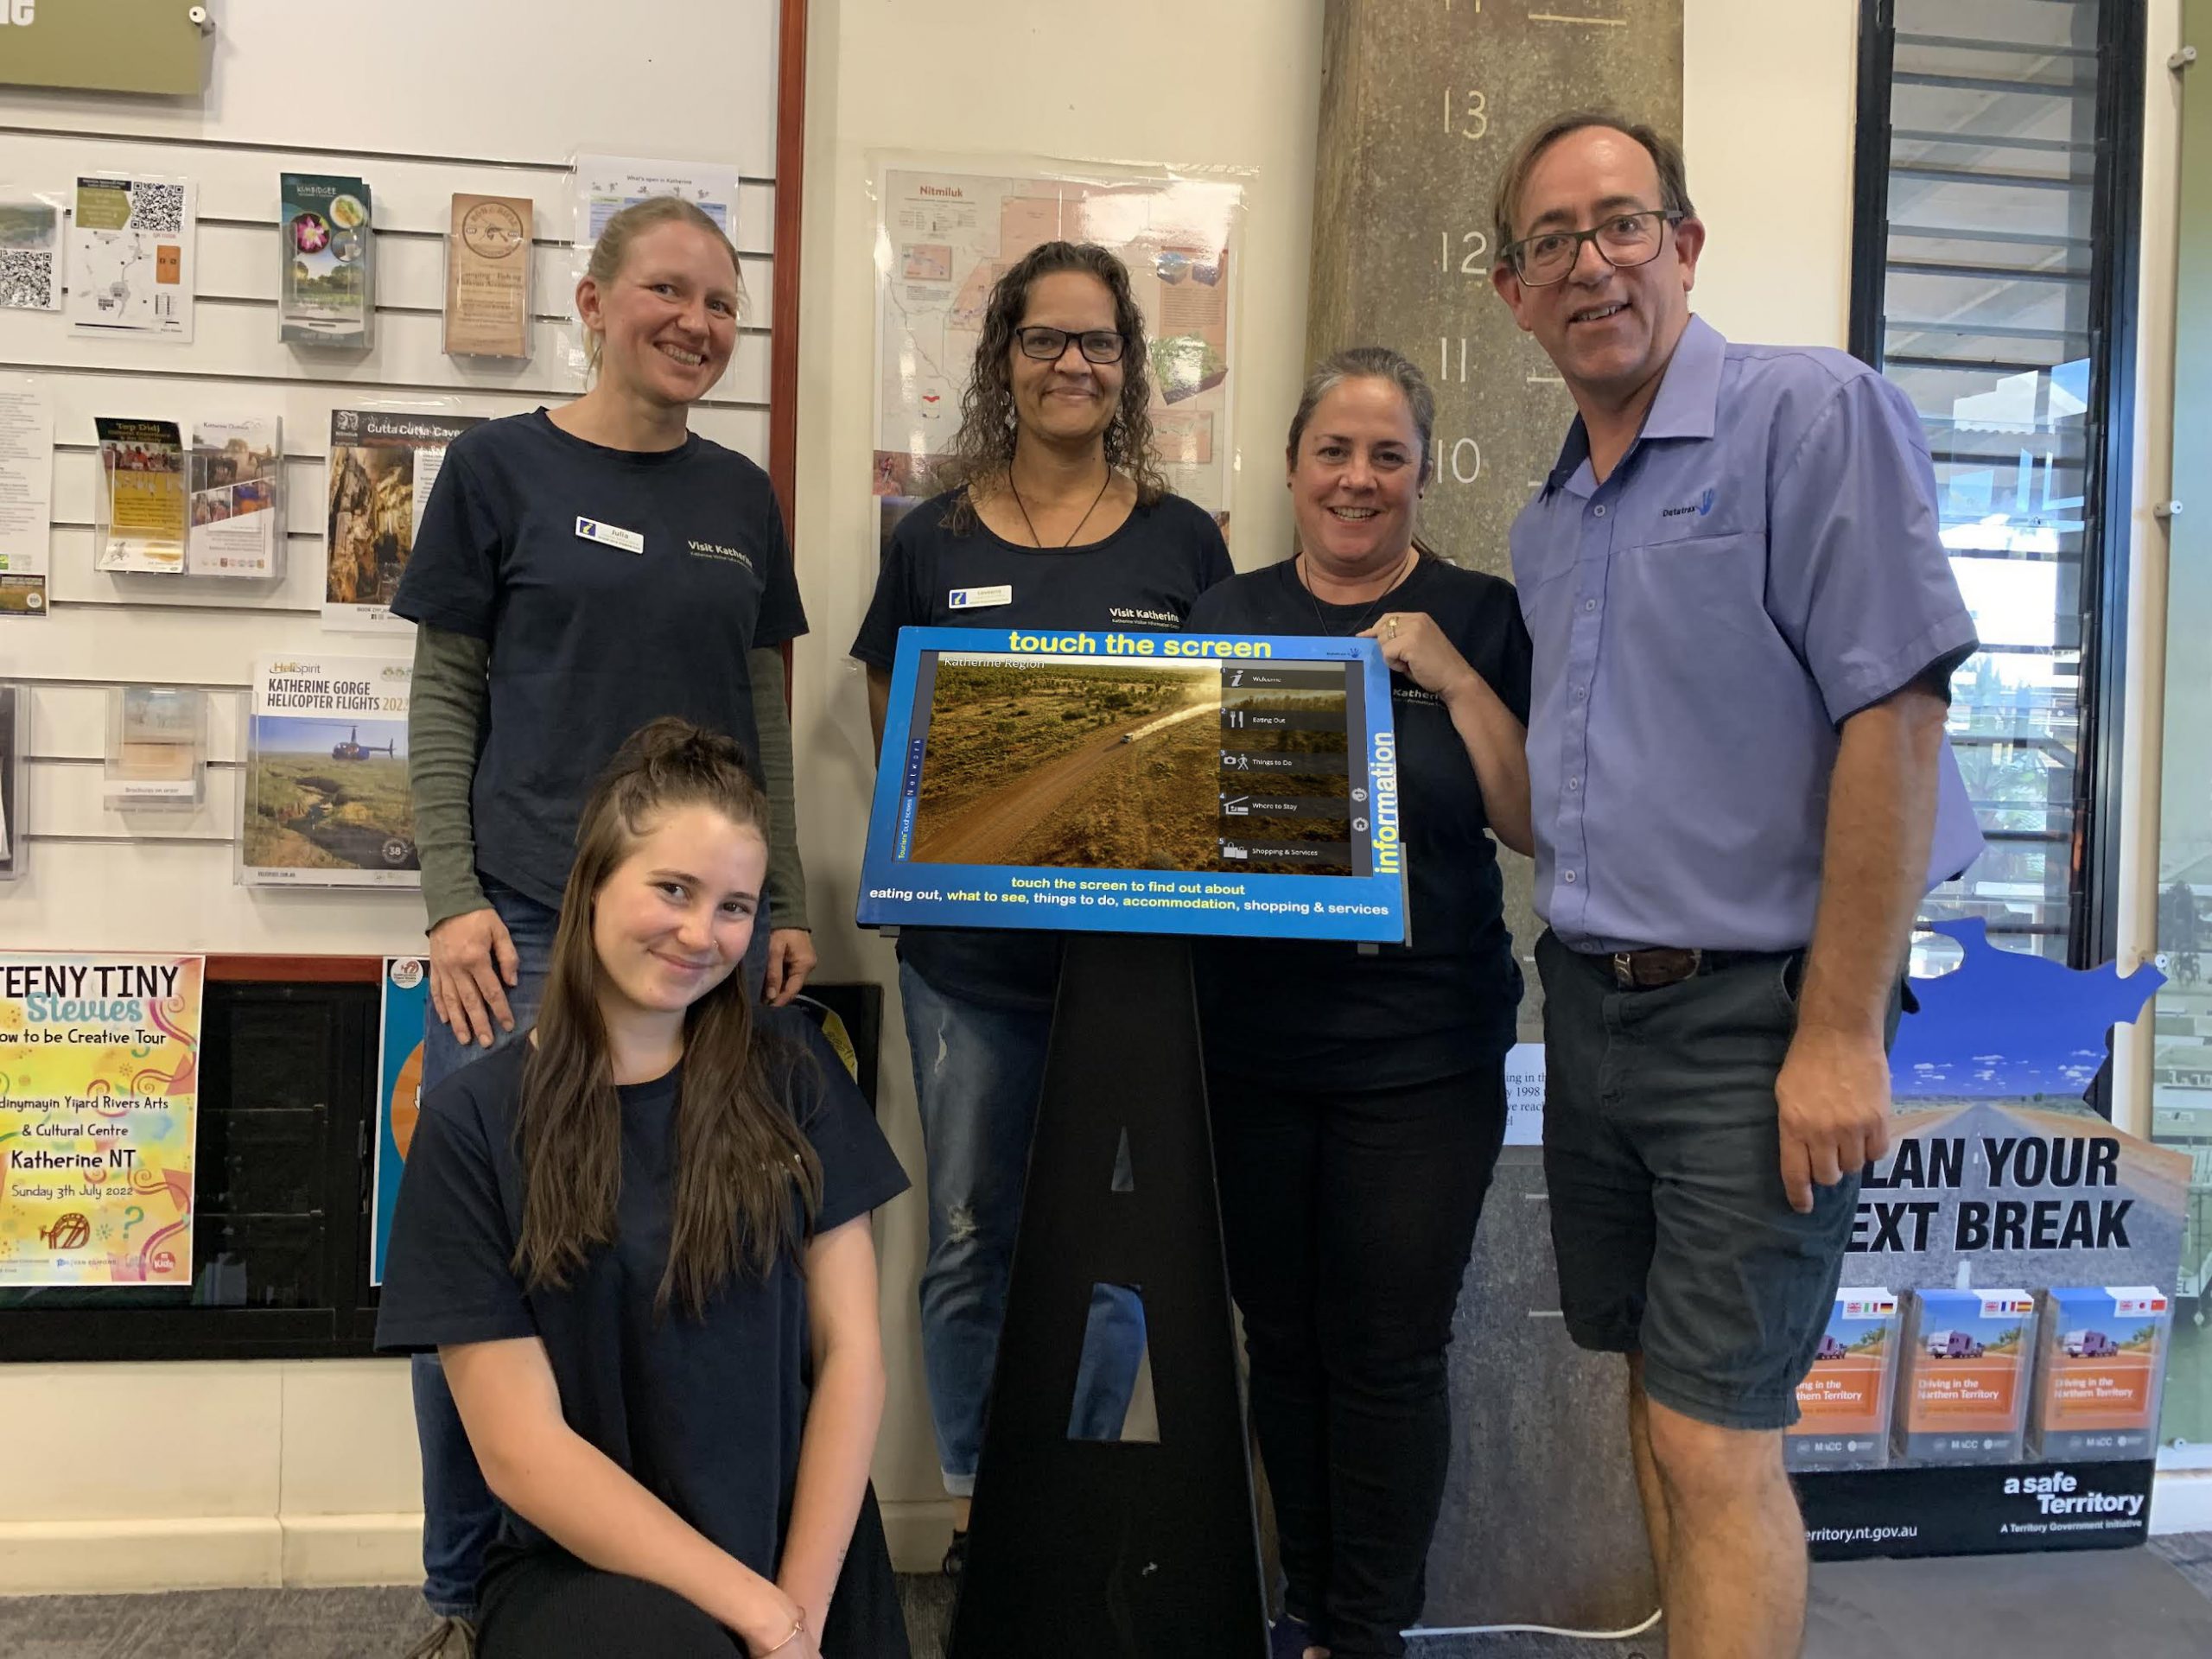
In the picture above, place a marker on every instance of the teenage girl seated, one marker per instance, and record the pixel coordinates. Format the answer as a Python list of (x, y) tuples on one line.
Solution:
[(640, 1244)]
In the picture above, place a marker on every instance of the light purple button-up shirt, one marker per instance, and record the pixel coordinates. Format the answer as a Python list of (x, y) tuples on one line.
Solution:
[(1761, 565)]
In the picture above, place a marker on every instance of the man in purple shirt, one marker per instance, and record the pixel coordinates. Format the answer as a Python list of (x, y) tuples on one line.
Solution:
[(1744, 626)]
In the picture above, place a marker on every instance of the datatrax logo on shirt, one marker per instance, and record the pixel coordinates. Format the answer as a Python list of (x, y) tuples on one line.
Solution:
[(1702, 506), (716, 550)]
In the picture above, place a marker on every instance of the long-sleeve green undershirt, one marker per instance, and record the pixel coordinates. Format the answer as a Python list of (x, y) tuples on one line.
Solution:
[(448, 704)]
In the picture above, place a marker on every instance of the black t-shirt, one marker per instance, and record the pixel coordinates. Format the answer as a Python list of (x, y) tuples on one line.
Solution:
[(1145, 575), (590, 640), (706, 1413), (1319, 1014)]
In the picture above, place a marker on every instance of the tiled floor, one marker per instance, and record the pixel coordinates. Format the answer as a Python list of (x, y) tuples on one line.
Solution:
[(2149, 1604)]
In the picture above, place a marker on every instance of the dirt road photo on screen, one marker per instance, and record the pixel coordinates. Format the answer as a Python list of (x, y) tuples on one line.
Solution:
[(1071, 763)]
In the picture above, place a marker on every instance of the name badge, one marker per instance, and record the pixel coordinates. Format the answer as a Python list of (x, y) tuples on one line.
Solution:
[(610, 536), (972, 599)]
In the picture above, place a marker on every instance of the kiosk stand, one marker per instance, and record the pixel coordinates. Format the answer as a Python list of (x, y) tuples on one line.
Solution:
[(1083, 1548), (1127, 790)]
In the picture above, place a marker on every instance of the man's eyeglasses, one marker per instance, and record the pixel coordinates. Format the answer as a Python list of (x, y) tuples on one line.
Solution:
[(1625, 240), (1049, 345)]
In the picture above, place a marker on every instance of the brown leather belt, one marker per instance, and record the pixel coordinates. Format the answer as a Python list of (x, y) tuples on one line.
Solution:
[(1663, 965)]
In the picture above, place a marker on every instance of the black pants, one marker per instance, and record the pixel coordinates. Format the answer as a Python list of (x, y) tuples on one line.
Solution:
[(545, 1604), (1349, 1219)]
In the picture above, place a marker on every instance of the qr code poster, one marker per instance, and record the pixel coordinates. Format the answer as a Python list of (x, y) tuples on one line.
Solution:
[(30, 250), (130, 258)]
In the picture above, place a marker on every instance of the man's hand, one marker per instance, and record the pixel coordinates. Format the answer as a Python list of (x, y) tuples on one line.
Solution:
[(790, 959), (1833, 1093), (472, 960)]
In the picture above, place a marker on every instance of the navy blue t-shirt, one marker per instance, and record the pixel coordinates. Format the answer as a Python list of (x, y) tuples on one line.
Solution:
[(705, 1412), (1145, 575), (590, 640), (1307, 1013)]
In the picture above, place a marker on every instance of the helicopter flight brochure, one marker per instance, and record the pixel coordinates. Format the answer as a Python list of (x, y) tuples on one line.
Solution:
[(326, 800)]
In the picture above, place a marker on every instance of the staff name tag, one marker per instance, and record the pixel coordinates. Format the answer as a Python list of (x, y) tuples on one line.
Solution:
[(973, 599), (610, 536)]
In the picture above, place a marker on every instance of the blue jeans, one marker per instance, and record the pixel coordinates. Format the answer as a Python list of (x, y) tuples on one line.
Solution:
[(978, 1074), (460, 1516)]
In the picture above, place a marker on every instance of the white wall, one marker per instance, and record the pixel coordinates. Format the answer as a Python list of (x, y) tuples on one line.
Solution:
[(272, 1472), (1769, 115)]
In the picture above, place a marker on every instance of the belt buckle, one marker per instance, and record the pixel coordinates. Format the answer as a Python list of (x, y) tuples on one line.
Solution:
[(1626, 977)]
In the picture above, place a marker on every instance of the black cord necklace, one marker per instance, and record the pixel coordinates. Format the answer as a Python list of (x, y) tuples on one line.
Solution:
[(1079, 523), (1413, 559)]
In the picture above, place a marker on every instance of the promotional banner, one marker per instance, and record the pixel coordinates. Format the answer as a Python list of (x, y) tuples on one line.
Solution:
[(2026, 1250), (399, 1091), (99, 1095)]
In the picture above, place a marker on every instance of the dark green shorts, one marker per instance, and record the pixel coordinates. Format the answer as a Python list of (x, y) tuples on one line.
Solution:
[(1663, 1155)]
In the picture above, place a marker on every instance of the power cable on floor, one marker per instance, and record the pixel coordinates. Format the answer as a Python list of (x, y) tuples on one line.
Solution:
[(1534, 1629)]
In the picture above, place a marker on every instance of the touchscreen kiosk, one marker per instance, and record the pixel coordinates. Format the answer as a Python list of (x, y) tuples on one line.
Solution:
[(1137, 782)]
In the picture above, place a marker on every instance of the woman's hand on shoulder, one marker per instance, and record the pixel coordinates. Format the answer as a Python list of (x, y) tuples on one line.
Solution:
[(1414, 646), (472, 962), (790, 959)]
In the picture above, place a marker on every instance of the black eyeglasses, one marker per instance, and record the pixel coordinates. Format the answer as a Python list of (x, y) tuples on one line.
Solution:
[(1625, 240), (1049, 345)]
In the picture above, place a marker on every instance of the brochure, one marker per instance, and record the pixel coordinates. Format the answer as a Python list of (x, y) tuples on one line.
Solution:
[(326, 295), (141, 508), (30, 248), (382, 463), (326, 802), (238, 524), (487, 277)]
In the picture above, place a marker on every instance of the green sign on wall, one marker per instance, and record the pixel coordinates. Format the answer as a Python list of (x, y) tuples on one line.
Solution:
[(106, 45)]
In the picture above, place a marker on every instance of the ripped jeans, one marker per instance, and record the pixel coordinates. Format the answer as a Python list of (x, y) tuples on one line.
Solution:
[(978, 1074)]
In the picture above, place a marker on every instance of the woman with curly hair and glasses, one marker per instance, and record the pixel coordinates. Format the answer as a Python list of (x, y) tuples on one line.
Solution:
[(1054, 516)]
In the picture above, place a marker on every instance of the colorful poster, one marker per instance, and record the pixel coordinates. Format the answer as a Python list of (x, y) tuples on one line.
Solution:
[(944, 237), (99, 1090), (130, 258), (382, 463), (399, 1091)]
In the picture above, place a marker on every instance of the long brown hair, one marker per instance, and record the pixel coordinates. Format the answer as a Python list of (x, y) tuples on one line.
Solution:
[(624, 228), (983, 451), (1373, 363), (740, 1158)]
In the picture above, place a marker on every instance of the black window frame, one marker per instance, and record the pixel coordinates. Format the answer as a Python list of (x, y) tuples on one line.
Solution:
[(2092, 910)]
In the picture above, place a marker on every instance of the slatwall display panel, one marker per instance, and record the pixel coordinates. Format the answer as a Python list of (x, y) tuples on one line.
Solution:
[(435, 100)]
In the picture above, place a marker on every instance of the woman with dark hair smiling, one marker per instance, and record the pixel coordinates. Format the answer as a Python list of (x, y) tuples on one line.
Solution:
[(1359, 1100), (1054, 515), (638, 1243)]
